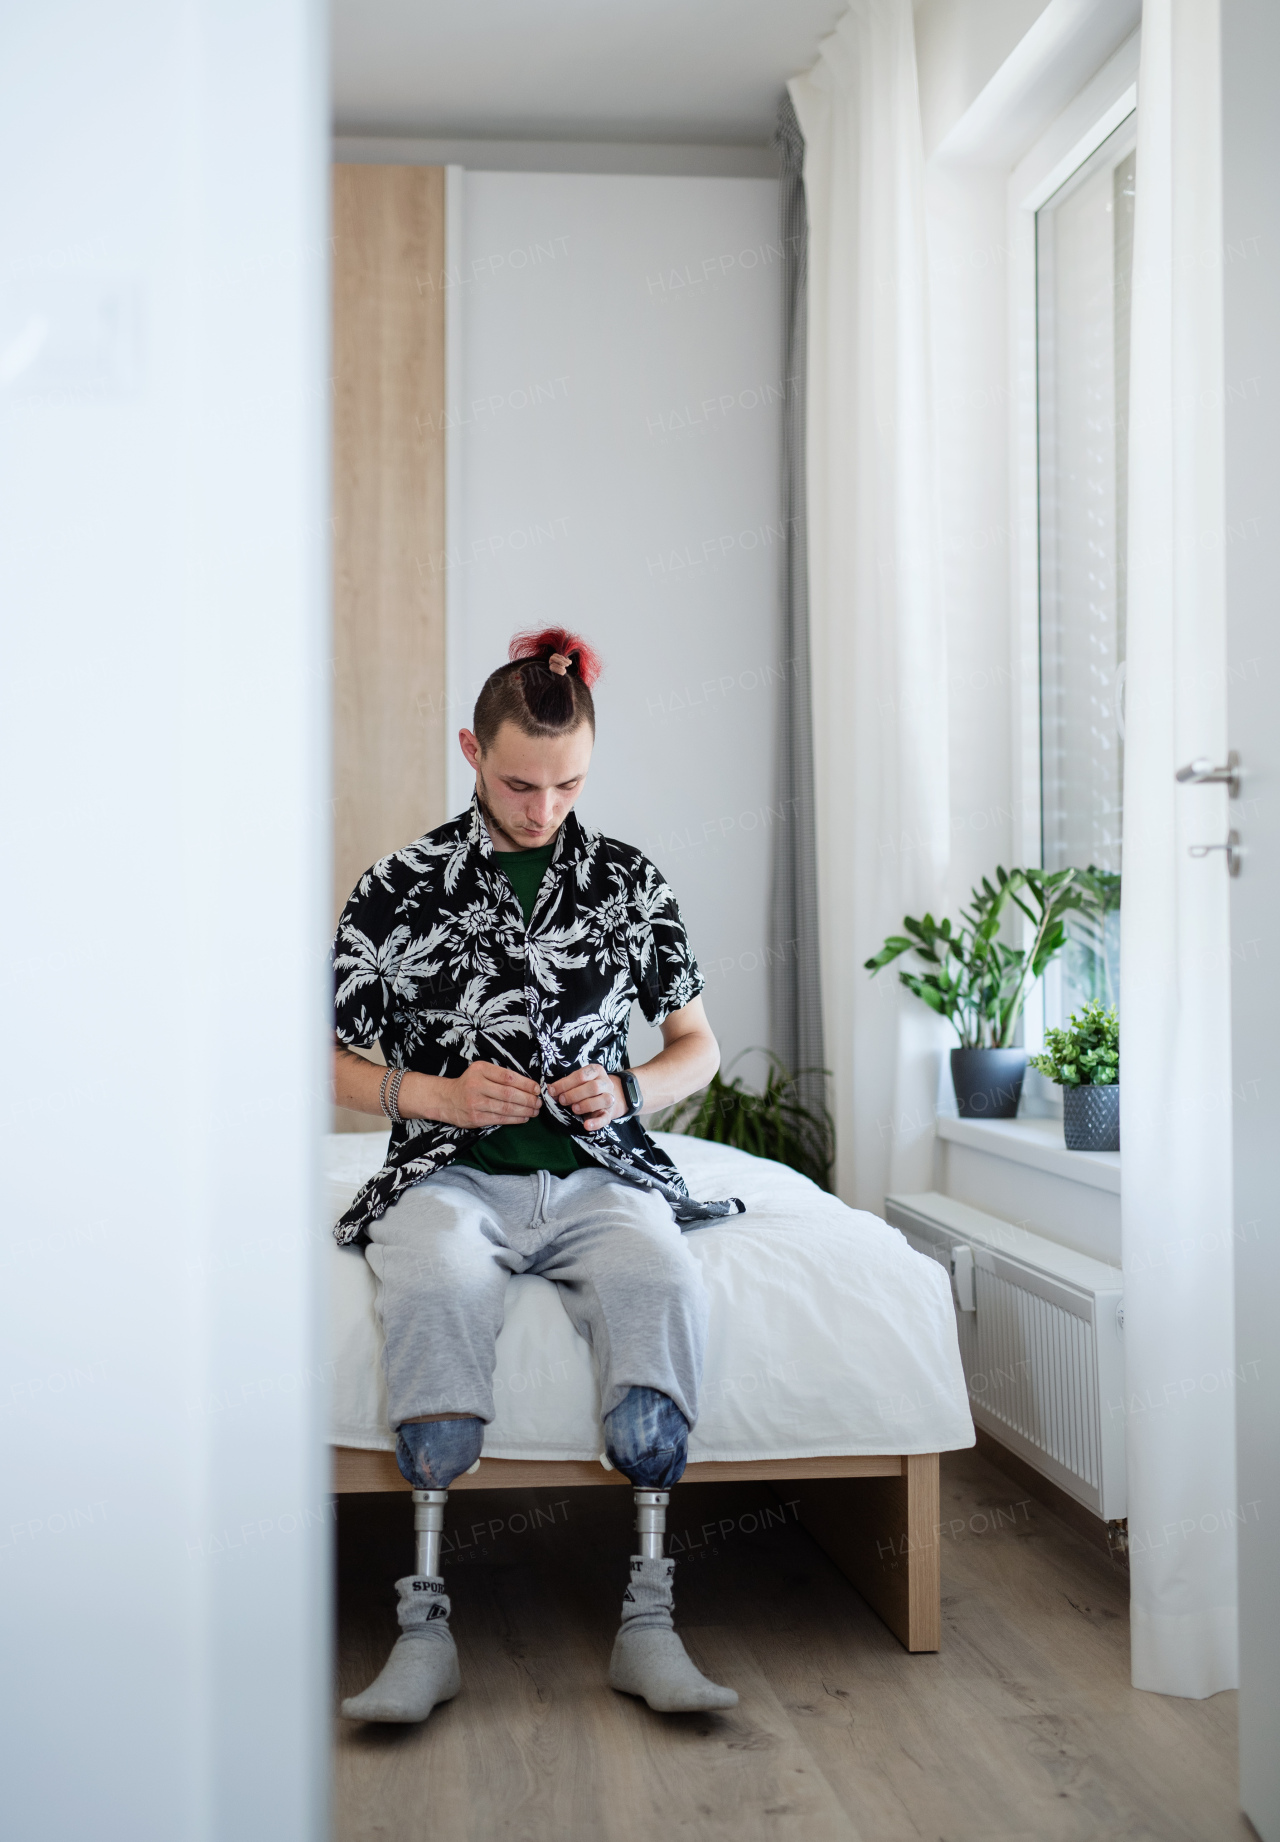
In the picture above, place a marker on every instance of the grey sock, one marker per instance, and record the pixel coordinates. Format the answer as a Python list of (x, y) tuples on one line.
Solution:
[(648, 1658), (422, 1668)]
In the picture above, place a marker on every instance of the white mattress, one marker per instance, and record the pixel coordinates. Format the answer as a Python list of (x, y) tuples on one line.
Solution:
[(828, 1333)]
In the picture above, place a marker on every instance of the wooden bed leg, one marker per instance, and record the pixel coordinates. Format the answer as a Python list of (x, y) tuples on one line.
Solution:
[(882, 1533)]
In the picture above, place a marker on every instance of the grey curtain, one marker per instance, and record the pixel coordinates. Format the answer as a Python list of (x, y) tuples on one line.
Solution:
[(795, 995)]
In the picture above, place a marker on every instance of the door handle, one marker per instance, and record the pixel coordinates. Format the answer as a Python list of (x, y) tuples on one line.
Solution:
[(1202, 773), (1231, 847)]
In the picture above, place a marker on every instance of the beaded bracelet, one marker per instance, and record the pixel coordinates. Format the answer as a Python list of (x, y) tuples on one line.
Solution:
[(393, 1097)]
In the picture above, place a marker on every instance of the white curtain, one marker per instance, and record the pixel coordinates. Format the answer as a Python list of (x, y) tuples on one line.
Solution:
[(879, 647), (1175, 958)]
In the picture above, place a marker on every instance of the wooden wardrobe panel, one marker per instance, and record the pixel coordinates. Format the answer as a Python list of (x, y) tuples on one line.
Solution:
[(389, 730)]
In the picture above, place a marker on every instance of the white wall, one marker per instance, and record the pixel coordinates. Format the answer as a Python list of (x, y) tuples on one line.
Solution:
[(960, 45), (1251, 288), (163, 433), (994, 73), (617, 427)]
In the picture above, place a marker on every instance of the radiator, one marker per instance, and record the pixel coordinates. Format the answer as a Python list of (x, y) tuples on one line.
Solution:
[(1040, 1337)]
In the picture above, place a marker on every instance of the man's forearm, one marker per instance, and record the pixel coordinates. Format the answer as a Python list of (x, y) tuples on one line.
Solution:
[(357, 1084), (680, 1068)]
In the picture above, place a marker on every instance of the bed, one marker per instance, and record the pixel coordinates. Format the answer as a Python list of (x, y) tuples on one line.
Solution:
[(832, 1367)]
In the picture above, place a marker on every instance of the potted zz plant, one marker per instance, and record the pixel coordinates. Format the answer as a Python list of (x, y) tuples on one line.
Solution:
[(788, 1121), (1084, 1061), (979, 982)]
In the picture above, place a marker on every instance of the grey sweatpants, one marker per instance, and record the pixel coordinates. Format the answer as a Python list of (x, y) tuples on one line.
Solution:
[(443, 1255)]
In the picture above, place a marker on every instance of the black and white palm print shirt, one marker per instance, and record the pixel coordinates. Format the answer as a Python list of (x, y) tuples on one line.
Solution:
[(432, 960)]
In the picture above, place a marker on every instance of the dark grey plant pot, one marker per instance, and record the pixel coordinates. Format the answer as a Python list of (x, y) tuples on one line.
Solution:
[(1091, 1118), (988, 1082)]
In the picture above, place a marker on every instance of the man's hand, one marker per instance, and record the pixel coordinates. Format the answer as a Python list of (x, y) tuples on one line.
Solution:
[(487, 1095), (593, 1094)]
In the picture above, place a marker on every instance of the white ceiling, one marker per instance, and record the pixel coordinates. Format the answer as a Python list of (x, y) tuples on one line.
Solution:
[(709, 71)]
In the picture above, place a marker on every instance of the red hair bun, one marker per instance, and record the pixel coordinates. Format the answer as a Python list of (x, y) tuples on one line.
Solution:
[(586, 662)]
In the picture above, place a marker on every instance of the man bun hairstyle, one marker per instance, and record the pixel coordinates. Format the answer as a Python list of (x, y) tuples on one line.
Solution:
[(544, 689)]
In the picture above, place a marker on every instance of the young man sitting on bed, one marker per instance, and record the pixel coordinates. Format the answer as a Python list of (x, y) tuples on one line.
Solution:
[(496, 960)]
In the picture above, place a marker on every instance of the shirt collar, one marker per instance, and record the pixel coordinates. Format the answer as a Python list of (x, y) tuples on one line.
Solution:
[(573, 840)]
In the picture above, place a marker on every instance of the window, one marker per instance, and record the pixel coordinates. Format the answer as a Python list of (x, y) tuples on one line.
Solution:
[(1083, 261)]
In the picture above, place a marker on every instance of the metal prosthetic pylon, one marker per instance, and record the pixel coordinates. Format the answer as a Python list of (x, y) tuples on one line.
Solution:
[(428, 1528), (651, 1521)]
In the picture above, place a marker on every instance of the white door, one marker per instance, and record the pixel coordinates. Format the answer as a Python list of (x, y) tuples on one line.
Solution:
[(1251, 184)]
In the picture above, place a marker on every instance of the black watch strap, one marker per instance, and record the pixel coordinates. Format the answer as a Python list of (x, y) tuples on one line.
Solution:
[(631, 1088)]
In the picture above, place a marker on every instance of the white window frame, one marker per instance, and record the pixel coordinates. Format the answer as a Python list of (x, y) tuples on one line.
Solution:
[(1082, 127)]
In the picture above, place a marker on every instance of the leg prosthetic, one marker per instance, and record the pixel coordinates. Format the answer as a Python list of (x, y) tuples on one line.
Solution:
[(423, 1667), (646, 1438)]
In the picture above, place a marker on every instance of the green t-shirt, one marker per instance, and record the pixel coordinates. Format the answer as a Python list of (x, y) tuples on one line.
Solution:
[(541, 1143)]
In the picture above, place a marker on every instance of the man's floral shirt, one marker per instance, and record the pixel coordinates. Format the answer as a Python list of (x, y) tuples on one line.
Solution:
[(432, 961)]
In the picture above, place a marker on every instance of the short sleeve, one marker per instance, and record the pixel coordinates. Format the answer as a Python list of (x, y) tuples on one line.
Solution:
[(667, 977), (366, 954)]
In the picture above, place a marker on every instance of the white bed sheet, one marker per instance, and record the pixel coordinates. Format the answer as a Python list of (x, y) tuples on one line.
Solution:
[(828, 1333)]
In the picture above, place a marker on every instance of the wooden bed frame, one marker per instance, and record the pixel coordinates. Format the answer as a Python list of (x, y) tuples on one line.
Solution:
[(877, 1518)]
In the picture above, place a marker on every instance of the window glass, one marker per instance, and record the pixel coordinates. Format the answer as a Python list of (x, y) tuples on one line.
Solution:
[(1084, 260)]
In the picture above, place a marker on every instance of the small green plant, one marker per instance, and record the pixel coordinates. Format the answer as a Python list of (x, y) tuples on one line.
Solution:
[(972, 977), (774, 1124), (1086, 1053)]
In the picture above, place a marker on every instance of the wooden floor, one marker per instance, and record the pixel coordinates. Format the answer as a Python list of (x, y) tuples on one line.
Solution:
[(1023, 1729)]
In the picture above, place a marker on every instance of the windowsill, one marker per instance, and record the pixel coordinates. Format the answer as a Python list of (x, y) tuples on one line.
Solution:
[(1036, 1142)]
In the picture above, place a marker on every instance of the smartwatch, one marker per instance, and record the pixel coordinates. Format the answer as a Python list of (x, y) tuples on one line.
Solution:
[(631, 1088)]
